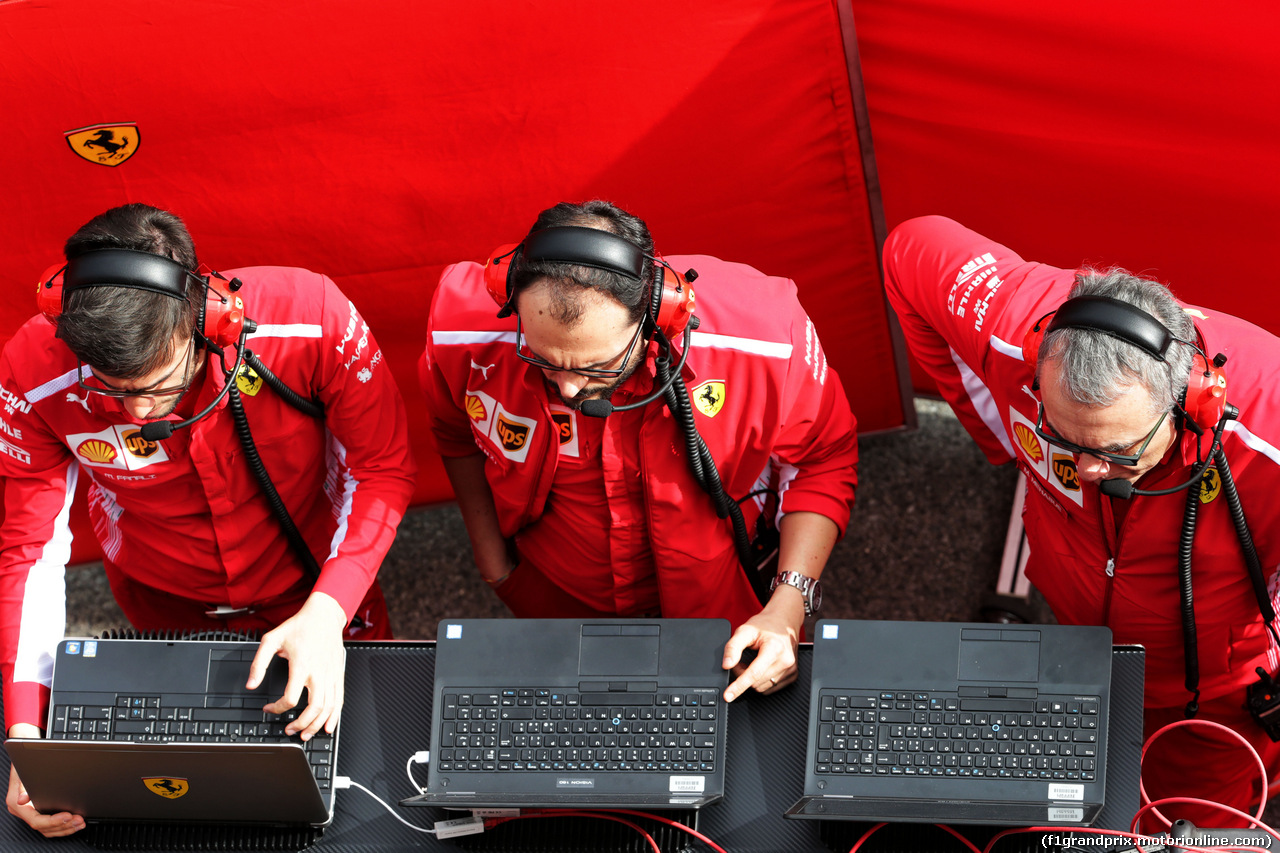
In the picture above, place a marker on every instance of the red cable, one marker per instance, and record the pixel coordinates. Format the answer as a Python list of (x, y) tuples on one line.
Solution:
[(573, 813), (865, 836), (1142, 788)]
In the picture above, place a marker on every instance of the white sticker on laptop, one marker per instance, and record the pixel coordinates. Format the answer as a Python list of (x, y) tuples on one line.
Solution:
[(688, 784), (91, 648), (830, 632), (453, 632), (1064, 815), (1066, 792)]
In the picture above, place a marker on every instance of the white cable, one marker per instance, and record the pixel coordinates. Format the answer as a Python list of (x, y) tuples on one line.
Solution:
[(338, 784), (416, 758)]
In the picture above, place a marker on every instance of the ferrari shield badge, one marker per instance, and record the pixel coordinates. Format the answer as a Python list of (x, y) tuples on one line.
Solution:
[(169, 787), (104, 144), (709, 397)]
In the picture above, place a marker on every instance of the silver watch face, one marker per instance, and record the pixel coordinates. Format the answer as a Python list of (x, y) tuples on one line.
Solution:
[(815, 596)]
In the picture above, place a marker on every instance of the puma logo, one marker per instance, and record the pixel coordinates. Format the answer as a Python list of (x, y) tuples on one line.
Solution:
[(483, 368), (83, 401)]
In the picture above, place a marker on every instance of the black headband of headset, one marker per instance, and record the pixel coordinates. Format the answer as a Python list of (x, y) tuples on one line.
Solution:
[(587, 247), (125, 268), (1114, 317)]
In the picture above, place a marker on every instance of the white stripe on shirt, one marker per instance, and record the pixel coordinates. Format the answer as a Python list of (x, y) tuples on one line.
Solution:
[(286, 330), (769, 349), (53, 386), (44, 597), (342, 507), (459, 338), (983, 403)]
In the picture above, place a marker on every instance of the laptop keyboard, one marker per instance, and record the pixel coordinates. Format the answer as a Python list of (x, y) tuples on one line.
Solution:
[(545, 729), (942, 734), (153, 719)]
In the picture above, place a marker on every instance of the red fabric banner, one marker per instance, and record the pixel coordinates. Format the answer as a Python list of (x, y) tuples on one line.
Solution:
[(379, 145)]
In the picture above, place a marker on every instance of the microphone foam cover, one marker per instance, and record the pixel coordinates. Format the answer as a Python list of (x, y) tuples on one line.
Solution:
[(597, 408), (1122, 489), (156, 431)]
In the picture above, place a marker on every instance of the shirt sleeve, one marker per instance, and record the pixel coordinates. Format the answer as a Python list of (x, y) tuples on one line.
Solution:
[(372, 472), (451, 433), (38, 478), (951, 289), (816, 449)]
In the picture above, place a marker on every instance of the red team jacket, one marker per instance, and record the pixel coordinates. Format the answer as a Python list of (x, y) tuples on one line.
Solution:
[(774, 412), (965, 303), (185, 516)]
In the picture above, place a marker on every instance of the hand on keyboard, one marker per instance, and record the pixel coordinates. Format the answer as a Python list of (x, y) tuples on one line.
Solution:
[(775, 634), (311, 640)]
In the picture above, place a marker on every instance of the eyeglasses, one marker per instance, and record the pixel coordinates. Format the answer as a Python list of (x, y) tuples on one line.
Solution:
[(527, 355), (119, 393), (1114, 458)]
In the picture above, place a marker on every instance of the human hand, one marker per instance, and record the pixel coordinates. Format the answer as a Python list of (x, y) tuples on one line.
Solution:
[(311, 640), (19, 803), (774, 633)]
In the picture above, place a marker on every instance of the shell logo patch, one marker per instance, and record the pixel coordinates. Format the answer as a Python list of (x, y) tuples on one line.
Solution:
[(709, 397), (137, 445), (1210, 486), (1064, 469), (475, 408), (511, 434), (104, 144), (97, 450), (248, 380), (1030, 443), (169, 787)]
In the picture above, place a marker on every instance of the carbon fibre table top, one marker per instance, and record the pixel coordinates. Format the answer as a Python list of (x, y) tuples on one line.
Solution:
[(387, 719)]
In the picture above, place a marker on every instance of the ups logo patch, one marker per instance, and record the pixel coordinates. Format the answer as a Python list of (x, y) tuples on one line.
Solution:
[(1064, 468), (137, 445), (564, 426), (511, 435)]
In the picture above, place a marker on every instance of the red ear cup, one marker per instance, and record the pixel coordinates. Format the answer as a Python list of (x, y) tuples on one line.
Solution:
[(497, 271), (675, 305), (1206, 396), (1031, 342), (223, 311), (49, 292)]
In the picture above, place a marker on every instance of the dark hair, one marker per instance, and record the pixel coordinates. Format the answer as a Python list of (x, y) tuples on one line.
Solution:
[(125, 332), (566, 281)]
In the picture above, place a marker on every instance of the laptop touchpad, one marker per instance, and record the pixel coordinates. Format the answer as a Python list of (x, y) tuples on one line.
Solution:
[(618, 650), (995, 655), (229, 670)]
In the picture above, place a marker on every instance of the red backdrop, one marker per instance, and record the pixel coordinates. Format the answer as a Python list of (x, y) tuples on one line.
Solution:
[(379, 145), (1137, 133)]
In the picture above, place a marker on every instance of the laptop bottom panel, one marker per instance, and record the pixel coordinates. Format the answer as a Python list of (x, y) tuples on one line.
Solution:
[(943, 811), (565, 801)]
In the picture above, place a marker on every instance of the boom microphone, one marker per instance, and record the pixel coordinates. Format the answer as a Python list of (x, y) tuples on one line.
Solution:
[(603, 408)]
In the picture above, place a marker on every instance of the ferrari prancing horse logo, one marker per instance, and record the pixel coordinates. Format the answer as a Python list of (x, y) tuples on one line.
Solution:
[(169, 787), (709, 397), (104, 144)]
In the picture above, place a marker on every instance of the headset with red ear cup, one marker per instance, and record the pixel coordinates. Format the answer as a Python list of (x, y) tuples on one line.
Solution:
[(671, 298), (1204, 401), (221, 317)]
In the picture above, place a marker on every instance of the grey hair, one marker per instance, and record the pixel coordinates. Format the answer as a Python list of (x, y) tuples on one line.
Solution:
[(1096, 368)]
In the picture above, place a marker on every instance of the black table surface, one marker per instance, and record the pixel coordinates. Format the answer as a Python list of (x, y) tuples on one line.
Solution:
[(387, 718)]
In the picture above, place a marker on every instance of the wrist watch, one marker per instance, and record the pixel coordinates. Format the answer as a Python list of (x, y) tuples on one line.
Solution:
[(809, 587)]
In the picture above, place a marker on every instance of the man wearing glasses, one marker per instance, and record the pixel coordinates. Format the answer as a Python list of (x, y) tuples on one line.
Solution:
[(1095, 412), (576, 512), (189, 541)]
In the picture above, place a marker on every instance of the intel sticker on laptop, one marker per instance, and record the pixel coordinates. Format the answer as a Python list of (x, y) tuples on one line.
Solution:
[(91, 648), (830, 632), (453, 632)]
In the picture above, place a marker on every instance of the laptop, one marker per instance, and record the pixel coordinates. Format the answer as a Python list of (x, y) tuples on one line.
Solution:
[(556, 713), (144, 730), (947, 722)]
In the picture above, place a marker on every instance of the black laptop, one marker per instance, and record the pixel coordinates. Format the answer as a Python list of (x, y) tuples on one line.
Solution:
[(164, 730), (946, 722), (605, 713)]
